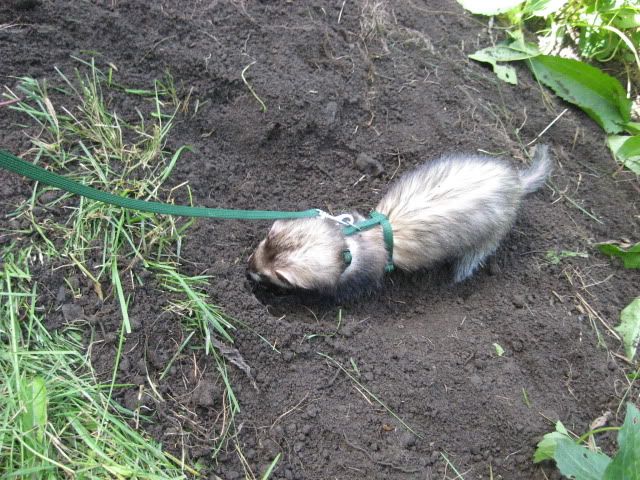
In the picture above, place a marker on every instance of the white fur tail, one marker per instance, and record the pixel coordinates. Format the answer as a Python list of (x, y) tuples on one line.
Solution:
[(535, 176)]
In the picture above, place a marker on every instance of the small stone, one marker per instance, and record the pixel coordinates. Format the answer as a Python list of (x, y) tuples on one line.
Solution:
[(612, 365), (518, 301), (369, 165)]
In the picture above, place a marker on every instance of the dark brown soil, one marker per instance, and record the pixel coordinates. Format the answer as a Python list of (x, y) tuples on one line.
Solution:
[(339, 79)]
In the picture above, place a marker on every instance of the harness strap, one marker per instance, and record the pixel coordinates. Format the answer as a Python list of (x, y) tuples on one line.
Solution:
[(16, 165), (375, 219)]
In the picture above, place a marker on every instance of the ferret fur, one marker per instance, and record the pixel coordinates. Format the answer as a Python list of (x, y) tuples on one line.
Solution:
[(456, 208)]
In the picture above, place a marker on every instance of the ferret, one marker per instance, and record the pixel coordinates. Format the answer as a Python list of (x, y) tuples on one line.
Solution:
[(456, 208)]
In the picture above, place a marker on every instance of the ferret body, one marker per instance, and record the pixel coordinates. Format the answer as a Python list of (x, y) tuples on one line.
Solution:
[(456, 208)]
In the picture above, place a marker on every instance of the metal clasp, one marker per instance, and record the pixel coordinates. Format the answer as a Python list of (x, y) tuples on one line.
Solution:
[(345, 219)]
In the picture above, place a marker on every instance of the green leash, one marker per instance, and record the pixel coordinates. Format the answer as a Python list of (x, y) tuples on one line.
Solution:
[(16, 165), (34, 172)]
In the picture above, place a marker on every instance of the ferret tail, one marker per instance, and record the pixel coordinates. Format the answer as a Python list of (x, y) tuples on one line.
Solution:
[(534, 177)]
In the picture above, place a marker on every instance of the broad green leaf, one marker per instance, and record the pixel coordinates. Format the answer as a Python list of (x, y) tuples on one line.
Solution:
[(546, 448), (630, 256), (503, 53), (601, 96), (626, 463), (543, 8), (629, 328), (632, 127), (626, 18), (489, 7), (626, 149), (575, 461), (499, 349)]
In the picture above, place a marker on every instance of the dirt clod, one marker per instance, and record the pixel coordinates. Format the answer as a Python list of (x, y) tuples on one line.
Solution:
[(369, 165)]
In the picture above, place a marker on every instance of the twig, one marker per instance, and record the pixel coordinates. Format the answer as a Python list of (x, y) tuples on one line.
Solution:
[(297, 405), (547, 127), (263, 107)]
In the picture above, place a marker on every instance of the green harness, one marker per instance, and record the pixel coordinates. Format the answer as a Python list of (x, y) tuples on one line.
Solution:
[(16, 165)]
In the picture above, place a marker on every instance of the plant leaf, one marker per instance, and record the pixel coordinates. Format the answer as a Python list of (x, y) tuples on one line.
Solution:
[(626, 149), (575, 461), (543, 8), (601, 96), (546, 447), (629, 328), (633, 127), (630, 257), (489, 7), (503, 53), (626, 463)]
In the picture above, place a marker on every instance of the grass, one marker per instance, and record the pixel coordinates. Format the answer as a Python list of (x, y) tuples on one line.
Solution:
[(57, 419), (77, 132)]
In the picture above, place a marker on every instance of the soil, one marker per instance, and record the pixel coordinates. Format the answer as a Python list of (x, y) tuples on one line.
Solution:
[(389, 83)]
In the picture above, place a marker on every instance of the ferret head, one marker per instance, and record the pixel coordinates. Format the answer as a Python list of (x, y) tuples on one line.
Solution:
[(300, 254)]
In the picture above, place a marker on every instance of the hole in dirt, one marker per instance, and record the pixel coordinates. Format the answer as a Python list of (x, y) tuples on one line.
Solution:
[(397, 286)]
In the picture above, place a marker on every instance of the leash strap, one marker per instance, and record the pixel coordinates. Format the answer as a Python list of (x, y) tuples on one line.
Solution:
[(375, 219), (16, 165)]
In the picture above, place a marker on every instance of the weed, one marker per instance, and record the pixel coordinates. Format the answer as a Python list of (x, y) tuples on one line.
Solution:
[(600, 31), (575, 460), (57, 420)]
